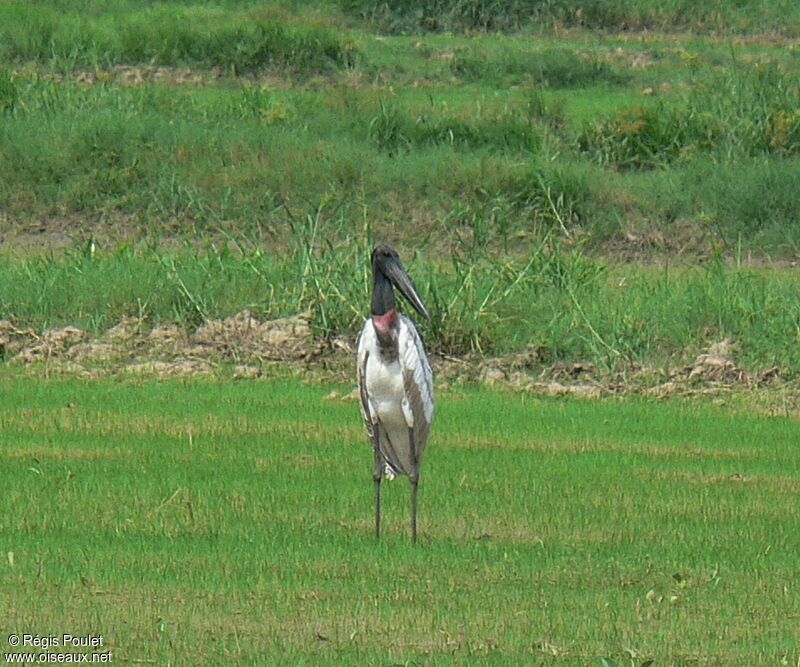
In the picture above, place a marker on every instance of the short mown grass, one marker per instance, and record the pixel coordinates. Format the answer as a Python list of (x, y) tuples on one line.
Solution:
[(552, 532)]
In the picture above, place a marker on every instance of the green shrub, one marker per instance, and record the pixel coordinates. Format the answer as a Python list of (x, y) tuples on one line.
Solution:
[(645, 137), (754, 110)]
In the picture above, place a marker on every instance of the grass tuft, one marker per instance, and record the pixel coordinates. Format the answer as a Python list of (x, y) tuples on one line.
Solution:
[(553, 67)]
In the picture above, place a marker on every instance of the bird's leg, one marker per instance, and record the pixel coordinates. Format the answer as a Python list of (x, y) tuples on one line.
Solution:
[(377, 477), (414, 484), (414, 477)]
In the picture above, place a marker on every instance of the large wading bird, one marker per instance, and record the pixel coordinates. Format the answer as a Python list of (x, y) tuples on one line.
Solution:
[(395, 380)]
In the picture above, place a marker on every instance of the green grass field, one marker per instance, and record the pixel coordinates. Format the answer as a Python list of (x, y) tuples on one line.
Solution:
[(583, 191), (186, 117), (231, 523)]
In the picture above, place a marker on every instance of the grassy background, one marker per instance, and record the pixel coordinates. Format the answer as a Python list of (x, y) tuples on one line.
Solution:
[(181, 118), (277, 143), (463, 15), (556, 532), (564, 305), (243, 36)]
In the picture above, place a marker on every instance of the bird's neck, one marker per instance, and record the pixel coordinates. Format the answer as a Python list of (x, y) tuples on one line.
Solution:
[(384, 311), (384, 324), (382, 295)]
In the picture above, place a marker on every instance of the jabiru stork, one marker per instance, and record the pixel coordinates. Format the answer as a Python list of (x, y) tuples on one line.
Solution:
[(395, 380)]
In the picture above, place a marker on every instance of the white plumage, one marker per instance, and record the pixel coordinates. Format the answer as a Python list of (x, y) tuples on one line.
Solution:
[(397, 396), (395, 380)]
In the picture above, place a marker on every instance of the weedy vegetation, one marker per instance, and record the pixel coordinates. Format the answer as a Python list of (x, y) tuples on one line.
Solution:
[(245, 39), (401, 16), (562, 304)]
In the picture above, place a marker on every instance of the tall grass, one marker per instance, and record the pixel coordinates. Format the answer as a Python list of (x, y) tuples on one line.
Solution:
[(746, 111), (755, 110), (561, 303), (244, 40), (441, 137), (394, 128), (175, 159), (201, 159), (756, 202), (708, 16), (552, 67)]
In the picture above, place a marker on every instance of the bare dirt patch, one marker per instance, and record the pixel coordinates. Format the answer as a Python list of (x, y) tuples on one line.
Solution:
[(131, 347), (174, 368), (243, 347), (51, 343), (242, 336), (13, 338)]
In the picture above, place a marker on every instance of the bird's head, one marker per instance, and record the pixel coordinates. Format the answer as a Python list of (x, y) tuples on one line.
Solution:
[(386, 263)]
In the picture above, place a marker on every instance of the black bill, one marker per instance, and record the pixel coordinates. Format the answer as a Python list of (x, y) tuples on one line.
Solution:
[(396, 272)]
